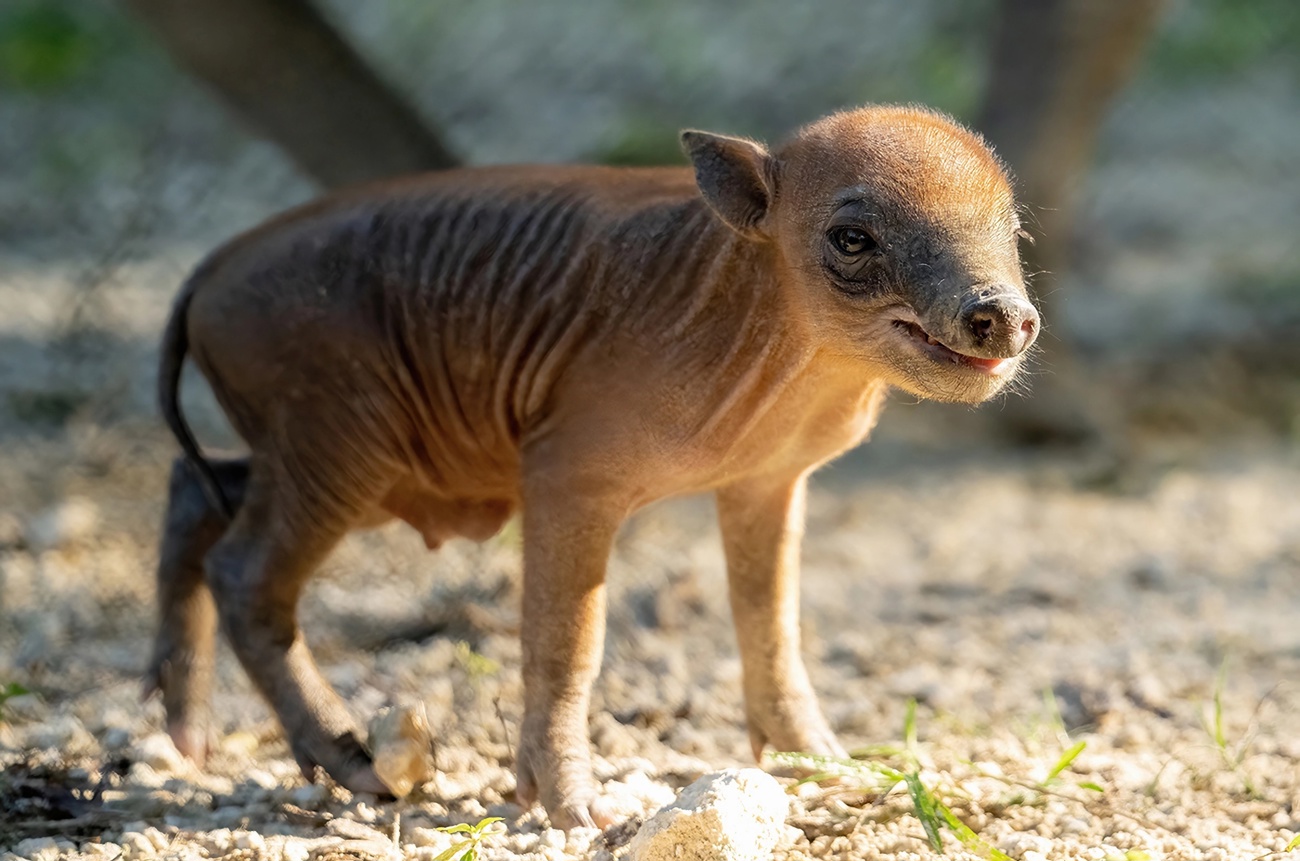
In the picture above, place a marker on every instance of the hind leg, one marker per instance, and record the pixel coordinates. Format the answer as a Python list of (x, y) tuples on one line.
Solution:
[(257, 571), (182, 664)]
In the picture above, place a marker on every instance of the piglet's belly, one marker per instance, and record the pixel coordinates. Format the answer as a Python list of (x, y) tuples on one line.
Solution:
[(438, 517)]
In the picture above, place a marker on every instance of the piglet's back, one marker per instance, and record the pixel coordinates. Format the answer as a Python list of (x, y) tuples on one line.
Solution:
[(467, 291)]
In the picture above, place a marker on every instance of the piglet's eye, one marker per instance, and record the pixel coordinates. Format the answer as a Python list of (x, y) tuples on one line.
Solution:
[(852, 241)]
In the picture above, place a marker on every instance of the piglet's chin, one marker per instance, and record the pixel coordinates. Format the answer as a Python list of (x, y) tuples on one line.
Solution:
[(961, 384)]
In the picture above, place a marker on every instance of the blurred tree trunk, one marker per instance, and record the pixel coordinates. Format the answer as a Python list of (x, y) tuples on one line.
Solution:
[(282, 69), (1055, 68)]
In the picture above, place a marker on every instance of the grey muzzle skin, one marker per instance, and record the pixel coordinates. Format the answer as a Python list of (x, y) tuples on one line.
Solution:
[(999, 325)]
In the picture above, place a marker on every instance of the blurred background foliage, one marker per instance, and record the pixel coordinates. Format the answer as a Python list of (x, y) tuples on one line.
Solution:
[(1183, 268)]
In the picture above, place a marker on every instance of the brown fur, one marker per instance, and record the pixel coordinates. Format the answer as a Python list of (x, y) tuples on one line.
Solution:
[(572, 343)]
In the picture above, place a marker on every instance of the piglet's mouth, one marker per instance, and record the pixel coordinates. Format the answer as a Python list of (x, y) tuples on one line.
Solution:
[(936, 350)]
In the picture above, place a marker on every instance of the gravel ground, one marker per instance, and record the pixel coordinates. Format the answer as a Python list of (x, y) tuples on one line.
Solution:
[(1025, 605), (1138, 600)]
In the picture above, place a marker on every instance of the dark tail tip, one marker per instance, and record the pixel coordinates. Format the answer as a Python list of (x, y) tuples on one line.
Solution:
[(175, 345)]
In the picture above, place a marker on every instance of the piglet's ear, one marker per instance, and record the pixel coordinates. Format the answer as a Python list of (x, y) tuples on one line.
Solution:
[(736, 176)]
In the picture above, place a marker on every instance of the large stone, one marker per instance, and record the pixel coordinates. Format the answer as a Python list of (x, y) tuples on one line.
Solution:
[(157, 751), (733, 815), (402, 746)]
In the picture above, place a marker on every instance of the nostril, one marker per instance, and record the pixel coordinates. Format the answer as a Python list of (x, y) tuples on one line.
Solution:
[(981, 326)]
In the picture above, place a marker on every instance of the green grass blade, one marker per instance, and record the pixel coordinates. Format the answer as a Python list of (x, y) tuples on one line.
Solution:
[(872, 773), (1052, 715), (1064, 762), (924, 803), (454, 851), (1088, 784), (1295, 841), (818, 777), (909, 727), (1220, 734), (11, 690), (485, 822), (877, 750), (8, 692), (459, 828), (967, 836)]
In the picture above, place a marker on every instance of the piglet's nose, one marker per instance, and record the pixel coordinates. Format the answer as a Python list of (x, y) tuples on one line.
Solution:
[(1002, 325)]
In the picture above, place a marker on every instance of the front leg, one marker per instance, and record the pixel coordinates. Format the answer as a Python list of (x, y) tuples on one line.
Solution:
[(567, 541), (762, 525)]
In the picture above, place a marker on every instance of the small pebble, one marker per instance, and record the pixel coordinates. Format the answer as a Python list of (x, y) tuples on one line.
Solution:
[(309, 796), (73, 520), (262, 778), (249, 840), (136, 845), (218, 841), (240, 743), (115, 738)]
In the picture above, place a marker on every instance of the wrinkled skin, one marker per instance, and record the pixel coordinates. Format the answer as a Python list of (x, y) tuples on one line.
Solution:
[(572, 343)]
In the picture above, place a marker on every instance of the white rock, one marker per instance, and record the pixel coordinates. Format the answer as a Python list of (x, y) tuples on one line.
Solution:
[(136, 845), (296, 849), (144, 776), (250, 840), (309, 796), (37, 848), (1075, 825), (74, 519), (158, 752), (1027, 847), (552, 838), (579, 840), (262, 779), (636, 795), (218, 842), (733, 815), (157, 838), (363, 812), (64, 732), (114, 738)]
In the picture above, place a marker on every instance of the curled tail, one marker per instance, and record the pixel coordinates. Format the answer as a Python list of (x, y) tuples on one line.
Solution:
[(175, 344)]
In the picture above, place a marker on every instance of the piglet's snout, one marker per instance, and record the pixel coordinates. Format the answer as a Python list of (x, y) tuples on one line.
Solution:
[(1000, 326)]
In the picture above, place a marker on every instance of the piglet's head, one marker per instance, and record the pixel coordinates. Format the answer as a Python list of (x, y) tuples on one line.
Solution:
[(895, 236)]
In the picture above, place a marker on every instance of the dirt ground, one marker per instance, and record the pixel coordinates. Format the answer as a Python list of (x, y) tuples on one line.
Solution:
[(1141, 603)]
